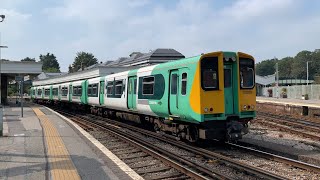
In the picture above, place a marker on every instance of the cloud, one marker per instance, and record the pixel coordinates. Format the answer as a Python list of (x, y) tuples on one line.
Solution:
[(112, 29)]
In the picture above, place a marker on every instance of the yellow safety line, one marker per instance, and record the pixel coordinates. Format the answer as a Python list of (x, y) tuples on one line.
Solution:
[(61, 164)]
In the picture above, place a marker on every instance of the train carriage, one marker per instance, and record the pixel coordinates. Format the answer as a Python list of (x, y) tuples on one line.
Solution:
[(210, 96)]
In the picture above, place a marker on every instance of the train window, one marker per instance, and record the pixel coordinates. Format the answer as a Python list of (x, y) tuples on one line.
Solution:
[(209, 73), (39, 92), (227, 78), (110, 88), (246, 73), (79, 91), (118, 90), (89, 89), (135, 86), (75, 90), (46, 92), (55, 91), (64, 91), (174, 83), (184, 84), (148, 85), (95, 90)]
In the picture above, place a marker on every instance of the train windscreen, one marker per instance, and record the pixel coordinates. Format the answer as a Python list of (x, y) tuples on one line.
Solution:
[(209, 73), (247, 74)]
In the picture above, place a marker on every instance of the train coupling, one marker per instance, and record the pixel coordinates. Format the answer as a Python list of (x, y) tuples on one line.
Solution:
[(234, 130)]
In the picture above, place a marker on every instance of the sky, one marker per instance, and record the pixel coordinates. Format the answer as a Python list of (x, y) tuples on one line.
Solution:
[(112, 29)]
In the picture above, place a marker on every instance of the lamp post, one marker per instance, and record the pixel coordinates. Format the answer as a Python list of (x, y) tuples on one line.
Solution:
[(1, 111), (308, 72)]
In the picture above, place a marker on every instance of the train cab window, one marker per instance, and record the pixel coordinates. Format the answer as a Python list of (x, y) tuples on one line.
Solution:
[(148, 85), (94, 90), (246, 73), (118, 90), (184, 84), (174, 83), (209, 73), (110, 88)]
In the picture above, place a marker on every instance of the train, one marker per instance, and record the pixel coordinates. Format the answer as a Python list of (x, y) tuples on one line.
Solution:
[(209, 96)]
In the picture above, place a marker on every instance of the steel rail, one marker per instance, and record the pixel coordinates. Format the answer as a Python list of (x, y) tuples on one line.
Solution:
[(206, 153), (277, 158), (173, 160)]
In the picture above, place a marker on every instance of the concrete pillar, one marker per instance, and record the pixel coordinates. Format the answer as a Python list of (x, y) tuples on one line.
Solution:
[(4, 88)]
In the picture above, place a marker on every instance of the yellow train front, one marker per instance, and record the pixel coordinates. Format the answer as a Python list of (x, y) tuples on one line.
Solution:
[(226, 94)]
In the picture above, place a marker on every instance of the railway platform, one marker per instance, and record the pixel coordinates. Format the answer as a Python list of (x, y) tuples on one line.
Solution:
[(302, 107), (296, 102), (42, 145)]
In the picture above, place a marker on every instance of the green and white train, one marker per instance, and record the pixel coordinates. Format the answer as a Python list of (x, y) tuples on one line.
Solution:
[(210, 96)]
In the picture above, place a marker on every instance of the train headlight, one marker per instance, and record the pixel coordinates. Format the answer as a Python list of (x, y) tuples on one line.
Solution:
[(205, 109), (244, 106), (233, 59), (252, 106)]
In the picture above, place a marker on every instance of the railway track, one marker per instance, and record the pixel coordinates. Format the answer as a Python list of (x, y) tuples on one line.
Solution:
[(290, 124), (209, 155)]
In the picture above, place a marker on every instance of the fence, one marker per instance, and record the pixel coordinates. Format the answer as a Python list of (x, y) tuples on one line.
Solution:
[(295, 92)]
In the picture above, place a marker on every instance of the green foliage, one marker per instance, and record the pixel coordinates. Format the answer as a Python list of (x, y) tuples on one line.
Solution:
[(266, 67), (29, 59), (50, 63), (292, 67), (83, 60)]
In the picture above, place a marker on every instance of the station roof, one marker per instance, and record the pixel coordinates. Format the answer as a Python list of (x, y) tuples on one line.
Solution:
[(13, 68)]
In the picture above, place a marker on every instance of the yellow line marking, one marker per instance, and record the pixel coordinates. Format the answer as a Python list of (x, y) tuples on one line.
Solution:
[(61, 165)]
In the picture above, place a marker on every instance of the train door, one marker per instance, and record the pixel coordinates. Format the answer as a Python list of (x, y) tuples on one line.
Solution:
[(101, 95), (70, 93), (228, 89), (173, 96), (132, 92)]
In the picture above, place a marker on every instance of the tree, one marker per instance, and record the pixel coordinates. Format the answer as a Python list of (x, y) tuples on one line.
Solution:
[(83, 60), (299, 65), (50, 63), (266, 67), (29, 59), (285, 68)]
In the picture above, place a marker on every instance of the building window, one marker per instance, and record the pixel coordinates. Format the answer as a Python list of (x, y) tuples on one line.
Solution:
[(184, 84), (148, 85), (118, 90)]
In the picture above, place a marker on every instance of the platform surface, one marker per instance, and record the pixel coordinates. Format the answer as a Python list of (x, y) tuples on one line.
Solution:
[(41, 145), (297, 102)]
